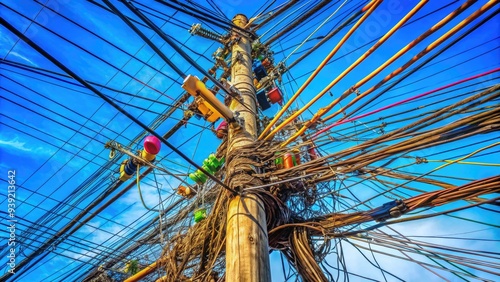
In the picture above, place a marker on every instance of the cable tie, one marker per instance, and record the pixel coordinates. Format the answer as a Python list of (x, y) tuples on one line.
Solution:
[(388, 210)]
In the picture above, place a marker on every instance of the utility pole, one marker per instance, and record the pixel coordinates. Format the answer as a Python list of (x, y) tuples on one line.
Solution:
[(247, 248)]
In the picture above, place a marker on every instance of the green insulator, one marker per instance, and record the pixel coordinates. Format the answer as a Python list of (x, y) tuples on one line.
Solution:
[(209, 168), (211, 163), (193, 177), (198, 177), (203, 177), (200, 214)]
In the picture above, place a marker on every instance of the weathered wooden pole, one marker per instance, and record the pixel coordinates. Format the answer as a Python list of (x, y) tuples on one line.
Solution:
[(247, 248)]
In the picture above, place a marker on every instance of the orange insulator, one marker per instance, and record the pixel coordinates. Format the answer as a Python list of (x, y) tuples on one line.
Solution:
[(288, 160), (266, 63), (185, 192)]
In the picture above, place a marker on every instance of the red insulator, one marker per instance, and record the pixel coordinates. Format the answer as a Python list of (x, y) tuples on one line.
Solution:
[(275, 96), (312, 153), (288, 160)]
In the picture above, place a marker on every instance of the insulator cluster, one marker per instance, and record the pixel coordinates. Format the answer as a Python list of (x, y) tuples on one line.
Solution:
[(196, 29)]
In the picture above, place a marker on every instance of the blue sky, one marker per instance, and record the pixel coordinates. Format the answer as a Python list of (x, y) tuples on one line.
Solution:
[(53, 131)]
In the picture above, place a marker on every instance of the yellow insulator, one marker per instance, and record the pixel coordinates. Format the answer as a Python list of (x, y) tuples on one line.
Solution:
[(123, 175), (209, 112), (147, 156)]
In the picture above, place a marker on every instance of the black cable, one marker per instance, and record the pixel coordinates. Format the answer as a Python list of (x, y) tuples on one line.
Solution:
[(372, 41), (26, 68), (256, 13), (114, 99), (444, 70), (202, 10), (83, 49), (49, 118), (125, 237), (215, 6), (207, 17), (109, 101), (146, 39), (47, 142), (108, 10), (90, 128), (115, 256), (327, 37), (293, 32), (107, 41), (163, 19), (173, 38), (167, 39), (176, 48), (88, 245)]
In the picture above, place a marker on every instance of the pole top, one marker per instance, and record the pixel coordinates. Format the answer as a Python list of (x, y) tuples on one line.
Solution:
[(240, 20)]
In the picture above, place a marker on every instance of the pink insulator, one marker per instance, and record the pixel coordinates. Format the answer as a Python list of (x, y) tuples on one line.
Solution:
[(221, 130), (222, 125), (152, 145)]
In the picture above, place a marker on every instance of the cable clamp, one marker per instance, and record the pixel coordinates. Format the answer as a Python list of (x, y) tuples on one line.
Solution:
[(420, 160), (388, 210), (354, 90), (273, 179), (234, 92), (238, 58), (237, 123)]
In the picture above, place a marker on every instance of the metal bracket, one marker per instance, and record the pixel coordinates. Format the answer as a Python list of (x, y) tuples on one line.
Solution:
[(388, 210)]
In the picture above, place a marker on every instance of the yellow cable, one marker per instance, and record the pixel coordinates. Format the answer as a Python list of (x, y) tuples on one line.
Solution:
[(464, 157), (326, 109), (429, 48), (373, 5), (140, 193), (460, 162)]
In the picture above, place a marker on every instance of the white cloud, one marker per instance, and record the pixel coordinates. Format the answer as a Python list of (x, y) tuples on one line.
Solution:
[(16, 144), (22, 57)]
